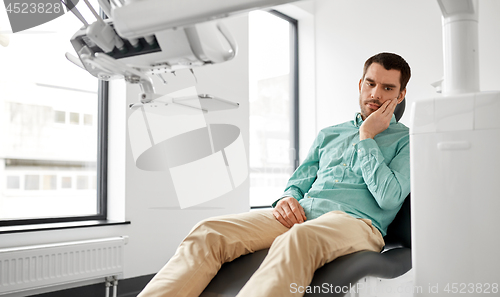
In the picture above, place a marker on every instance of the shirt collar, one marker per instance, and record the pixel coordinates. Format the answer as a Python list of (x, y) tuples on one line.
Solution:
[(358, 120)]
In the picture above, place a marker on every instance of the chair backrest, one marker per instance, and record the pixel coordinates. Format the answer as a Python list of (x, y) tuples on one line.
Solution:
[(399, 231), (400, 109)]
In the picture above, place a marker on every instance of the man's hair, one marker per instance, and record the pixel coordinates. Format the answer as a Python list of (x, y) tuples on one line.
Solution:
[(391, 61)]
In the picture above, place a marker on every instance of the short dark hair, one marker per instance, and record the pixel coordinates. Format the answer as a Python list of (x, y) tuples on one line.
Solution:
[(391, 61)]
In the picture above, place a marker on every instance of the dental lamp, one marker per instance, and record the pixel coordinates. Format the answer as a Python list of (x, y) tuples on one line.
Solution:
[(157, 37)]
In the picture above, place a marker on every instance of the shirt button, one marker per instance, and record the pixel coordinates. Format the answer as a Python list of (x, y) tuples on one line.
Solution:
[(353, 144), (336, 180), (359, 151), (345, 164)]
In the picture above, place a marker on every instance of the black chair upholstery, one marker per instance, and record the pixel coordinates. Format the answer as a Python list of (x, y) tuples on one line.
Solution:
[(400, 109), (393, 261)]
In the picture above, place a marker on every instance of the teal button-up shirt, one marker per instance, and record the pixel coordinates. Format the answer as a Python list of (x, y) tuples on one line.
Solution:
[(367, 179)]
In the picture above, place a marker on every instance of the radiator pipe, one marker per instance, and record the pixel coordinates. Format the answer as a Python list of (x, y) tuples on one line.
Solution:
[(115, 286), (107, 284)]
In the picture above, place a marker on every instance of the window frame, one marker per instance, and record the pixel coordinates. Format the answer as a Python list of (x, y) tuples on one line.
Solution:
[(294, 70), (294, 88), (102, 165), (102, 169)]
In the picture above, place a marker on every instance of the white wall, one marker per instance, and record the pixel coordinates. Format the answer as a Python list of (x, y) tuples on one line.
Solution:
[(349, 32), (147, 199), (489, 45)]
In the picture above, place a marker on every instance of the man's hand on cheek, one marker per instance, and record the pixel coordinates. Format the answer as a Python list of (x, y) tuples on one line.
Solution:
[(378, 120)]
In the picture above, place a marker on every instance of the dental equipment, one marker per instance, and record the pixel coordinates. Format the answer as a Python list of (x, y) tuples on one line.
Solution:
[(169, 38), (455, 140)]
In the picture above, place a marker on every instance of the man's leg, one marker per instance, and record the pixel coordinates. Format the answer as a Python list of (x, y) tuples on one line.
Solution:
[(295, 255), (211, 243)]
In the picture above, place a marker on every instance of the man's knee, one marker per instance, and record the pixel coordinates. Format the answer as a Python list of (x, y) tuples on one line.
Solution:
[(299, 231), (217, 231), (316, 234), (207, 228)]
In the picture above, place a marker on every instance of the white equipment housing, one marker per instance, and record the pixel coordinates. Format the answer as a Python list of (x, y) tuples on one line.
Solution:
[(156, 37), (170, 50), (134, 19), (455, 160)]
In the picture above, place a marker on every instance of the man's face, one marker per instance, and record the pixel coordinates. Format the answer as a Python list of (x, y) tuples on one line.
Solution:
[(378, 86)]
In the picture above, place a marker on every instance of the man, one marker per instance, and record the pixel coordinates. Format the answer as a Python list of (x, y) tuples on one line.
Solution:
[(340, 200)]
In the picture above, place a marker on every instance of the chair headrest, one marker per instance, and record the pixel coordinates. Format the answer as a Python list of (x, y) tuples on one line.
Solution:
[(400, 109)]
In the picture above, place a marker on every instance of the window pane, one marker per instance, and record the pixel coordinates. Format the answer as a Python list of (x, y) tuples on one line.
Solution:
[(49, 182), (47, 109), (59, 117), (32, 182), (66, 182), (271, 134), (82, 182), (74, 118), (88, 120), (13, 182)]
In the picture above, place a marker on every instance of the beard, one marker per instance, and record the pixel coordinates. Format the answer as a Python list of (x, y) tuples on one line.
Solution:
[(365, 109)]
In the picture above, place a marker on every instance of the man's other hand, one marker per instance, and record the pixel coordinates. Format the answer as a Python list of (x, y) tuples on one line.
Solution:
[(289, 212), (378, 121)]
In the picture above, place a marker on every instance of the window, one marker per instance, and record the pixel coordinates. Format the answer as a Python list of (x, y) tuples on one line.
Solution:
[(59, 117), (13, 182), (74, 118), (88, 119), (273, 105), (53, 126)]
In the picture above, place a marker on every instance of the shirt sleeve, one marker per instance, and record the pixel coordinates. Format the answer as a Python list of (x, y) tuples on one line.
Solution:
[(389, 184), (304, 176)]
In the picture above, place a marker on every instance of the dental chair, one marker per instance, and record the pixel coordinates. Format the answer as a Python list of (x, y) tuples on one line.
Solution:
[(343, 272)]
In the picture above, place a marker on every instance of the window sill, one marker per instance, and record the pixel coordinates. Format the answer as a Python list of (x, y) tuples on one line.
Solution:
[(59, 226)]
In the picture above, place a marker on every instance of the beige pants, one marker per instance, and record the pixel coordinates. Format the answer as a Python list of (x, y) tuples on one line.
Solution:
[(294, 255)]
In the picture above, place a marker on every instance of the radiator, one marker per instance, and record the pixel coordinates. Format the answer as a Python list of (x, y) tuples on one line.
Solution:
[(27, 268)]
